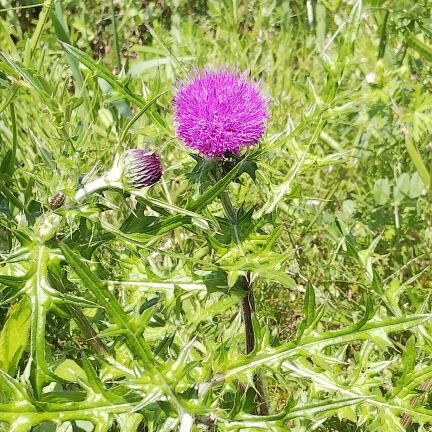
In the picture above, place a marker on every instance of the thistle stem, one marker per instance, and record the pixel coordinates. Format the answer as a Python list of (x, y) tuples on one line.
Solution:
[(248, 303), (89, 188)]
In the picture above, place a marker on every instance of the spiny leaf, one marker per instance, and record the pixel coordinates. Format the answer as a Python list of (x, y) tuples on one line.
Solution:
[(318, 342), (35, 81), (408, 364)]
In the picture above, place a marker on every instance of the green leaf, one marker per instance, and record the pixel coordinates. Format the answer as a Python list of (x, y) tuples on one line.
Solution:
[(6, 166), (418, 161), (14, 336), (312, 410), (381, 191), (35, 81), (70, 371), (147, 232), (170, 207), (308, 310), (416, 186), (94, 284), (402, 187), (117, 315), (316, 342), (250, 168), (129, 422), (101, 70), (137, 68), (419, 46), (285, 187), (17, 282), (216, 281), (150, 228), (408, 363), (138, 115)]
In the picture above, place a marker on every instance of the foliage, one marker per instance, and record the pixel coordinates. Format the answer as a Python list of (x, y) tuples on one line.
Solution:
[(122, 312)]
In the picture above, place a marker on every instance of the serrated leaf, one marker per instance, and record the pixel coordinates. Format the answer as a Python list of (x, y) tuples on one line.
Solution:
[(95, 285), (217, 281), (117, 315), (312, 410), (316, 342), (17, 282), (213, 192), (35, 81)]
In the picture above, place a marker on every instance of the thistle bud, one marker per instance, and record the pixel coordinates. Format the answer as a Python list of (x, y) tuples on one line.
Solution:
[(137, 168), (142, 168), (47, 226)]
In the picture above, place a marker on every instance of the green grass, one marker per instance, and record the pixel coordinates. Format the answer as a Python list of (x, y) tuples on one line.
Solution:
[(123, 312)]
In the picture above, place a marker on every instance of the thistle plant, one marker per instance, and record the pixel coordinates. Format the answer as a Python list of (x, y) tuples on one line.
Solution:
[(135, 311), (218, 113)]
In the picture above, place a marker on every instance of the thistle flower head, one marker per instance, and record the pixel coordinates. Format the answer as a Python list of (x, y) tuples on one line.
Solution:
[(142, 168), (137, 168), (219, 111)]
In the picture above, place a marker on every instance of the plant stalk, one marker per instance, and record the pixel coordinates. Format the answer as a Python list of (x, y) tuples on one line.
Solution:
[(406, 419), (248, 304), (93, 186)]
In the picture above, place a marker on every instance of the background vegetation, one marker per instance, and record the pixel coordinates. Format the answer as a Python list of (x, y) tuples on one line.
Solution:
[(122, 312)]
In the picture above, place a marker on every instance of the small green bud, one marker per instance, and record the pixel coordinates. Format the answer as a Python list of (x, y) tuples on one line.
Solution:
[(47, 226)]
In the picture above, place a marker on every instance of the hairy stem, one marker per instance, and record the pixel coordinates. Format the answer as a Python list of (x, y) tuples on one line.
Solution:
[(93, 186)]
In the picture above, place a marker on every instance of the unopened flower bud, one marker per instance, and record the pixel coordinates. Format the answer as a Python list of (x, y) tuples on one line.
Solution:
[(47, 226), (142, 168), (137, 168)]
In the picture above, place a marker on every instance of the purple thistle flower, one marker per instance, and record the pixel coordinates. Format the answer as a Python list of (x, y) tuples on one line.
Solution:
[(219, 111), (142, 168)]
